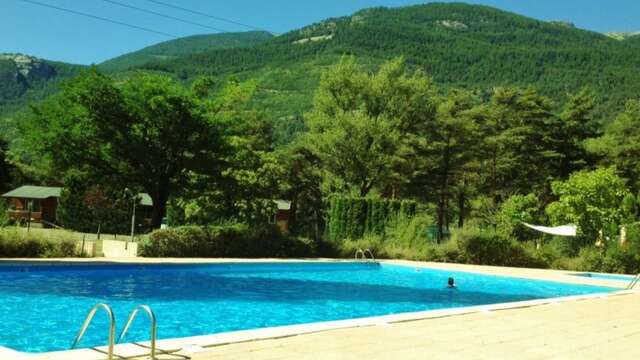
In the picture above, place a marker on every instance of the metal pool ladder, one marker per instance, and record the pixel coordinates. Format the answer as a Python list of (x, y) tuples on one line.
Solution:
[(87, 321), (633, 282), (362, 255), (153, 332), (112, 327)]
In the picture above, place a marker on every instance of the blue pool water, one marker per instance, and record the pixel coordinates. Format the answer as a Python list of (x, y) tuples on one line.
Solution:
[(617, 277), (43, 306)]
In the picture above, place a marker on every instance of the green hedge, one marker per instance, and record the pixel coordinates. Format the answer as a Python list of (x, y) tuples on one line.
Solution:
[(352, 217), (485, 247), (21, 244), (224, 241)]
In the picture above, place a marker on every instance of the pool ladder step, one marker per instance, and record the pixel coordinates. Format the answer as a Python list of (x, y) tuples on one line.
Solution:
[(112, 327), (365, 255)]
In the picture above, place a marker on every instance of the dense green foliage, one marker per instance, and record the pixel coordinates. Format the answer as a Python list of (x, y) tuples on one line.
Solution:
[(352, 218), (461, 45), (516, 210), (620, 145), (171, 49), (90, 209), (224, 241), (593, 200), (22, 244), (6, 168), (147, 134)]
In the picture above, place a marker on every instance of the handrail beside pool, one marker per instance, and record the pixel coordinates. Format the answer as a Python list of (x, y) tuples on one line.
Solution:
[(87, 321), (362, 255), (368, 251), (634, 282), (154, 327)]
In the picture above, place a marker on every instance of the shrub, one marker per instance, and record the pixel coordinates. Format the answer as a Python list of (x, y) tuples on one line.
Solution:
[(621, 260), (224, 241), (448, 251), (514, 211), (490, 248), (592, 200), (590, 259), (17, 243), (614, 259)]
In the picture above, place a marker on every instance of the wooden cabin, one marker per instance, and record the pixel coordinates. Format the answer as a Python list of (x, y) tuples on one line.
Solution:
[(37, 202), (41, 202), (281, 217)]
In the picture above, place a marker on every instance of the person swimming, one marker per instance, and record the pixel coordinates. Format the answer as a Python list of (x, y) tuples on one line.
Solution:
[(451, 283)]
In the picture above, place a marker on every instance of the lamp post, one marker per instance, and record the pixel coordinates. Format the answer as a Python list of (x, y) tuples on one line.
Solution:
[(133, 216), (30, 208)]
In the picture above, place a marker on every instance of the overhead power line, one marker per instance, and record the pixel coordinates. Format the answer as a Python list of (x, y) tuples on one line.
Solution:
[(205, 15), (163, 15), (100, 18)]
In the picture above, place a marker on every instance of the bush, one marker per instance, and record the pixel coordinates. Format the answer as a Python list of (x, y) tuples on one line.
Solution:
[(514, 211), (593, 200), (490, 248), (444, 252), (614, 259), (15, 243), (224, 241)]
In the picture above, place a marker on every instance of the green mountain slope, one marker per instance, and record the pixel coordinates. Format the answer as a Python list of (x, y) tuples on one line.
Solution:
[(24, 78), (169, 50), (470, 46), (459, 45)]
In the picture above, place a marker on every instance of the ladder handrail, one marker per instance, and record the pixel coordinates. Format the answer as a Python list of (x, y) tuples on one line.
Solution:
[(153, 332), (363, 255), (89, 318), (370, 253), (633, 282)]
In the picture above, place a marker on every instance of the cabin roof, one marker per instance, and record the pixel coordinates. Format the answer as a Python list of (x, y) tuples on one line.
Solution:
[(33, 192)]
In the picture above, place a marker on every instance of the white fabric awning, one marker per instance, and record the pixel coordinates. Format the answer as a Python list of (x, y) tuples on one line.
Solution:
[(564, 230)]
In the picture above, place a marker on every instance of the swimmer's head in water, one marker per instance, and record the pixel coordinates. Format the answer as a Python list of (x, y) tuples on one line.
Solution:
[(451, 282)]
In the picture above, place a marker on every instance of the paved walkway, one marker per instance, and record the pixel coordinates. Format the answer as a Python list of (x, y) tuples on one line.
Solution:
[(603, 328)]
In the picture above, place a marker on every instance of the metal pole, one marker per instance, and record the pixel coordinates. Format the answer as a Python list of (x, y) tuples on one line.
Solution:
[(133, 223), (30, 207)]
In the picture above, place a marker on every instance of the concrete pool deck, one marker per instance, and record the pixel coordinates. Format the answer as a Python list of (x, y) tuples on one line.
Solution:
[(585, 327)]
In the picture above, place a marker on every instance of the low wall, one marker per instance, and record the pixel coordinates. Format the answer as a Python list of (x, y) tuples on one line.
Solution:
[(116, 248), (108, 248)]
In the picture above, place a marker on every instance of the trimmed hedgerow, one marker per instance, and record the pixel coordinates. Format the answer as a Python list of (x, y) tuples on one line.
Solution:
[(224, 241), (353, 217)]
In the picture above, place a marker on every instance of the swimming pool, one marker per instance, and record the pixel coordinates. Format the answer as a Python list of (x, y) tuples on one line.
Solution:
[(616, 277), (43, 306)]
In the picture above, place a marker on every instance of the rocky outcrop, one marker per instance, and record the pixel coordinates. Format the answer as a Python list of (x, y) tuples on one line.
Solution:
[(30, 68)]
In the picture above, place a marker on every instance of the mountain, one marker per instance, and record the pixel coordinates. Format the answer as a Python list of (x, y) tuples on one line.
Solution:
[(459, 45), (623, 35), (471, 46), (172, 49), (24, 78)]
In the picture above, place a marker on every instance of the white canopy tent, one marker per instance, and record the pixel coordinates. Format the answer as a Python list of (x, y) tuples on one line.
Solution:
[(564, 230)]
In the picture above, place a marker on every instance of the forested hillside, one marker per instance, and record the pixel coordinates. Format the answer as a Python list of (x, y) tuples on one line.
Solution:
[(169, 50), (458, 45), (24, 78)]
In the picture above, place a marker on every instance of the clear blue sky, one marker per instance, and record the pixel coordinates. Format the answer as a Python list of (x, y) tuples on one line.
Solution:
[(51, 34)]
